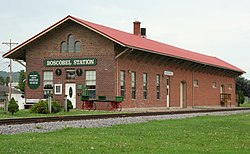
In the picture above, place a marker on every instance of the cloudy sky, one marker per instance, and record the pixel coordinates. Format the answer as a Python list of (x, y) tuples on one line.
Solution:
[(218, 28)]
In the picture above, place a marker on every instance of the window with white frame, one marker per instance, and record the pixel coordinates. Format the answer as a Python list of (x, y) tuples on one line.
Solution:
[(47, 80), (58, 89), (196, 83), (157, 86), (91, 83), (133, 82), (214, 84), (122, 83), (71, 43), (145, 85), (230, 86)]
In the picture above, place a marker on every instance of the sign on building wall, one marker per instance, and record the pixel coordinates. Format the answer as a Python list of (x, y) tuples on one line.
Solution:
[(70, 62), (168, 73), (33, 80)]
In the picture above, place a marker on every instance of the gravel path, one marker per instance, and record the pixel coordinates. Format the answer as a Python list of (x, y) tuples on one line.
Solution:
[(51, 126)]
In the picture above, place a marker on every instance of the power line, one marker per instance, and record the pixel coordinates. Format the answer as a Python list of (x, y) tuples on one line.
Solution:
[(4, 68)]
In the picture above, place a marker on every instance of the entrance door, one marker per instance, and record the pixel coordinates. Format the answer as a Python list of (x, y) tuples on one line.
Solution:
[(70, 91), (183, 94), (168, 90)]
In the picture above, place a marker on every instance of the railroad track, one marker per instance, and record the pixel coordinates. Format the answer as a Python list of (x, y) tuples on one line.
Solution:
[(105, 116)]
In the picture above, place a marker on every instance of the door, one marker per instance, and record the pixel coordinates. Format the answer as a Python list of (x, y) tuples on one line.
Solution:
[(168, 90), (70, 91), (183, 94)]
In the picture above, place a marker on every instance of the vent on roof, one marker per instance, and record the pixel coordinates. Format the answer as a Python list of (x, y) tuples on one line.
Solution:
[(143, 32)]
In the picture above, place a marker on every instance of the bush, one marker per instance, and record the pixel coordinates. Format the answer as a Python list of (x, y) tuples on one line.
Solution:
[(40, 107), (69, 105), (55, 105), (13, 106), (241, 98)]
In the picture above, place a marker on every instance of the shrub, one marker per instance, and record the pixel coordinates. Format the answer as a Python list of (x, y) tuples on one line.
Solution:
[(13, 106), (55, 105), (69, 105), (241, 98), (40, 107)]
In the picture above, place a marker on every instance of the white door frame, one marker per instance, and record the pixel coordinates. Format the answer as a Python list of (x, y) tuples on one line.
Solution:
[(168, 90), (183, 97), (71, 97)]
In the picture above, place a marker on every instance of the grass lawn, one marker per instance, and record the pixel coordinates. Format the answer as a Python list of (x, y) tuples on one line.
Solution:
[(207, 134), (245, 105), (26, 113)]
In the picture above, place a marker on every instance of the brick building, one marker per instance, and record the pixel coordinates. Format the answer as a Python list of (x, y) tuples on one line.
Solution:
[(111, 63)]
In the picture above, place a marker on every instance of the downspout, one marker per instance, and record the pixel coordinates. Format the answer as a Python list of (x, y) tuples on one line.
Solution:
[(117, 69)]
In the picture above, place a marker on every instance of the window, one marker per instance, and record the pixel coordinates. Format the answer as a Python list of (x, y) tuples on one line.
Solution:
[(91, 83), (122, 84), (77, 46), (230, 86), (145, 87), (70, 74), (196, 83), (58, 89), (64, 47), (133, 81), (71, 43), (47, 80), (214, 84), (157, 86)]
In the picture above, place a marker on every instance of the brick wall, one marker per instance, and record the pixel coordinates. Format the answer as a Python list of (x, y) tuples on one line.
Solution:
[(93, 45), (96, 46), (203, 95)]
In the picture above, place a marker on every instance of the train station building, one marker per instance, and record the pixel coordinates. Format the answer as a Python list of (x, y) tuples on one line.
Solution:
[(74, 52)]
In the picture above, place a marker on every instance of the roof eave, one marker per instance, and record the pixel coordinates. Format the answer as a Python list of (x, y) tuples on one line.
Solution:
[(239, 71)]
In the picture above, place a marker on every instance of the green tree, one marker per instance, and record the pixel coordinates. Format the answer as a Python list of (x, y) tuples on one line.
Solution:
[(241, 98), (13, 106), (2, 82), (21, 83), (7, 81)]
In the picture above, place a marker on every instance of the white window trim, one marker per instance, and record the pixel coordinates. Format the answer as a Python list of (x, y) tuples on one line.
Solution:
[(58, 93)]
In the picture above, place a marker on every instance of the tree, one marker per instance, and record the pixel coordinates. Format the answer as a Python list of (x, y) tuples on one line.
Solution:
[(13, 106), (2, 82), (7, 81), (21, 81), (243, 85), (241, 98)]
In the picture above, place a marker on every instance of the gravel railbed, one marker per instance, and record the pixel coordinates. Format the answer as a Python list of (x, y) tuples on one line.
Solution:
[(52, 126)]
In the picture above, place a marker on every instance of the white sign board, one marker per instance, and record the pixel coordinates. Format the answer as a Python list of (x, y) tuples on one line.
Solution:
[(168, 73)]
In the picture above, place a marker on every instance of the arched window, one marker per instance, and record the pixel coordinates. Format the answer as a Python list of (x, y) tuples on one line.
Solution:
[(71, 43), (77, 46), (64, 47)]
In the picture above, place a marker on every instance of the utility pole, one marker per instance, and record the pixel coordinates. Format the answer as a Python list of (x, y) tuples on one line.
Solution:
[(10, 87)]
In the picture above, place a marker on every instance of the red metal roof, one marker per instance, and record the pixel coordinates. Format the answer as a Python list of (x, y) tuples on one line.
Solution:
[(137, 42)]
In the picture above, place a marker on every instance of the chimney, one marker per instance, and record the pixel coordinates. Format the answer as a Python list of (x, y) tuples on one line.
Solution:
[(137, 28)]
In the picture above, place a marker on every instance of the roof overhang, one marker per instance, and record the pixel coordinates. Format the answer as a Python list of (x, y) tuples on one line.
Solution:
[(19, 51)]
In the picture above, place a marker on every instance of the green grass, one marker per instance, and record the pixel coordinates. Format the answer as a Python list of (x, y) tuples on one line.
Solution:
[(207, 134), (245, 105), (26, 113)]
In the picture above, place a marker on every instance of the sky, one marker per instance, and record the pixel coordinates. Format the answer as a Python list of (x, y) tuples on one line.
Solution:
[(219, 28)]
